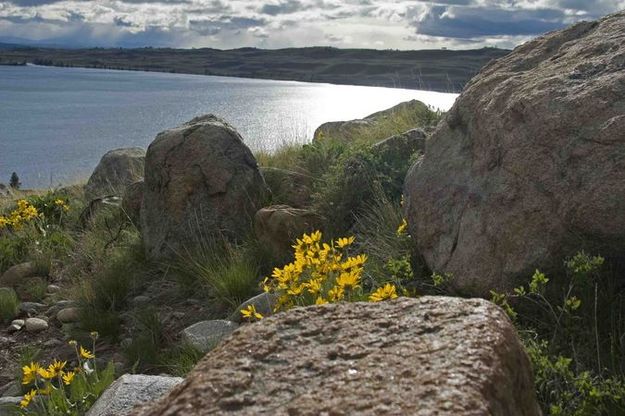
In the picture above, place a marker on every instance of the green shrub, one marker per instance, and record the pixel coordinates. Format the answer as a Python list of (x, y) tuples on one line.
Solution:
[(9, 304), (564, 391), (573, 333)]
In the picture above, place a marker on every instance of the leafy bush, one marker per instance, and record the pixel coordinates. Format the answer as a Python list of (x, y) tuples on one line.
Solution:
[(9, 304), (575, 337)]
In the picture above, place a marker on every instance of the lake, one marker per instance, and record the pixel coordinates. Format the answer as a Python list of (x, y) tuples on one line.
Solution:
[(56, 123)]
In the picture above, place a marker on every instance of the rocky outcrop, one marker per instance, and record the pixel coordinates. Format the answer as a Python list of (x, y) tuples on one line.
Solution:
[(425, 356), (116, 170), (529, 164), (201, 182), (278, 226), (131, 390), (348, 130)]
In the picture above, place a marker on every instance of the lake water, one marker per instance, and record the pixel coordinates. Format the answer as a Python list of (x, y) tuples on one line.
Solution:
[(56, 123)]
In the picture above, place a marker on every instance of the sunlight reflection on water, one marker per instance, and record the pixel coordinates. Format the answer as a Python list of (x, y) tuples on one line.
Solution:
[(56, 123)]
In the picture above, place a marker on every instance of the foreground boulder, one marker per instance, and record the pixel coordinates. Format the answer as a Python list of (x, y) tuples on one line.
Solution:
[(278, 226), (349, 130), (529, 165), (424, 356), (201, 182), (116, 170), (131, 390)]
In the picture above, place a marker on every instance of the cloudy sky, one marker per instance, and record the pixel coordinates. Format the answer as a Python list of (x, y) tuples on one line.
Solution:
[(380, 24)]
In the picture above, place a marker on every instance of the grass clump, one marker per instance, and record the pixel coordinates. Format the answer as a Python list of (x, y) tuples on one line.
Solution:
[(9, 304), (225, 274)]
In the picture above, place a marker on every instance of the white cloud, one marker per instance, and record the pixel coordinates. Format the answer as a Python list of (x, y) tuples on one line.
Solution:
[(409, 24)]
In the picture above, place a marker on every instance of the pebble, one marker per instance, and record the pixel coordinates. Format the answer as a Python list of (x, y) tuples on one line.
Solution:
[(36, 325)]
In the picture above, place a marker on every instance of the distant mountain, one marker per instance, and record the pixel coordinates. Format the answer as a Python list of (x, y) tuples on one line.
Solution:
[(437, 70)]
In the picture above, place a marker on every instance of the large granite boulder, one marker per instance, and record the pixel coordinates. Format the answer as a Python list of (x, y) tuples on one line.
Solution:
[(529, 165), (131, 390), (201, 182), (278, 226), (346, 131), (116, 170), (427, 356)]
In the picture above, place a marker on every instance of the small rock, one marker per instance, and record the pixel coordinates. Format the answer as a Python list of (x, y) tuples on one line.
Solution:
[(52, 342), (36, 325), (68, 315), (11, 389), (205, 335), (16, 274), (18, 322), (62, 304), (31, 307), (8, 405), (53, 289), (140, 300), (131, 390), (264, 304)]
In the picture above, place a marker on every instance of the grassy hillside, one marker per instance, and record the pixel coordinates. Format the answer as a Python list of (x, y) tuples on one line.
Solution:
[(436, 70)]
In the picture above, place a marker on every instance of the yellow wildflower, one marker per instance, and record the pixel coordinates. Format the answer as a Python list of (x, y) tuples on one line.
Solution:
[(29, 373), (320, 301), (28, 397), (250, 313), (349, 280), (401, 230), (344, 242), (45, 373), (86, 354), (68, 377), (388, 291), (56, 368)]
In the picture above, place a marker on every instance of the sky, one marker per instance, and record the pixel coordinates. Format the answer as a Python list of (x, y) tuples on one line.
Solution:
[(225, 24)]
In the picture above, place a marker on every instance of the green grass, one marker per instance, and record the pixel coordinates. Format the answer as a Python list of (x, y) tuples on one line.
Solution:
[(223, 273), (9, 304)]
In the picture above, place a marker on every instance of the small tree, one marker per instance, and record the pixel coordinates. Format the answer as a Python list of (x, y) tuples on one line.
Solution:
[(15, 181)]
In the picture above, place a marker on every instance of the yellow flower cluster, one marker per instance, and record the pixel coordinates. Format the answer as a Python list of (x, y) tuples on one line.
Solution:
[(321, 273), (386, 292), (46, 380), (24, 212), (61, 204)]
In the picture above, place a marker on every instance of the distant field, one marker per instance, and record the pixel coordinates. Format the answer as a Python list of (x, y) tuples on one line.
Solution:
[(435, 70)]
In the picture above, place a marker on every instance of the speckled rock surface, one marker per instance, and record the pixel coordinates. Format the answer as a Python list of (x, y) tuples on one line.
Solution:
[(427, 356), (528, 167), (201, 182), (129, 391)]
